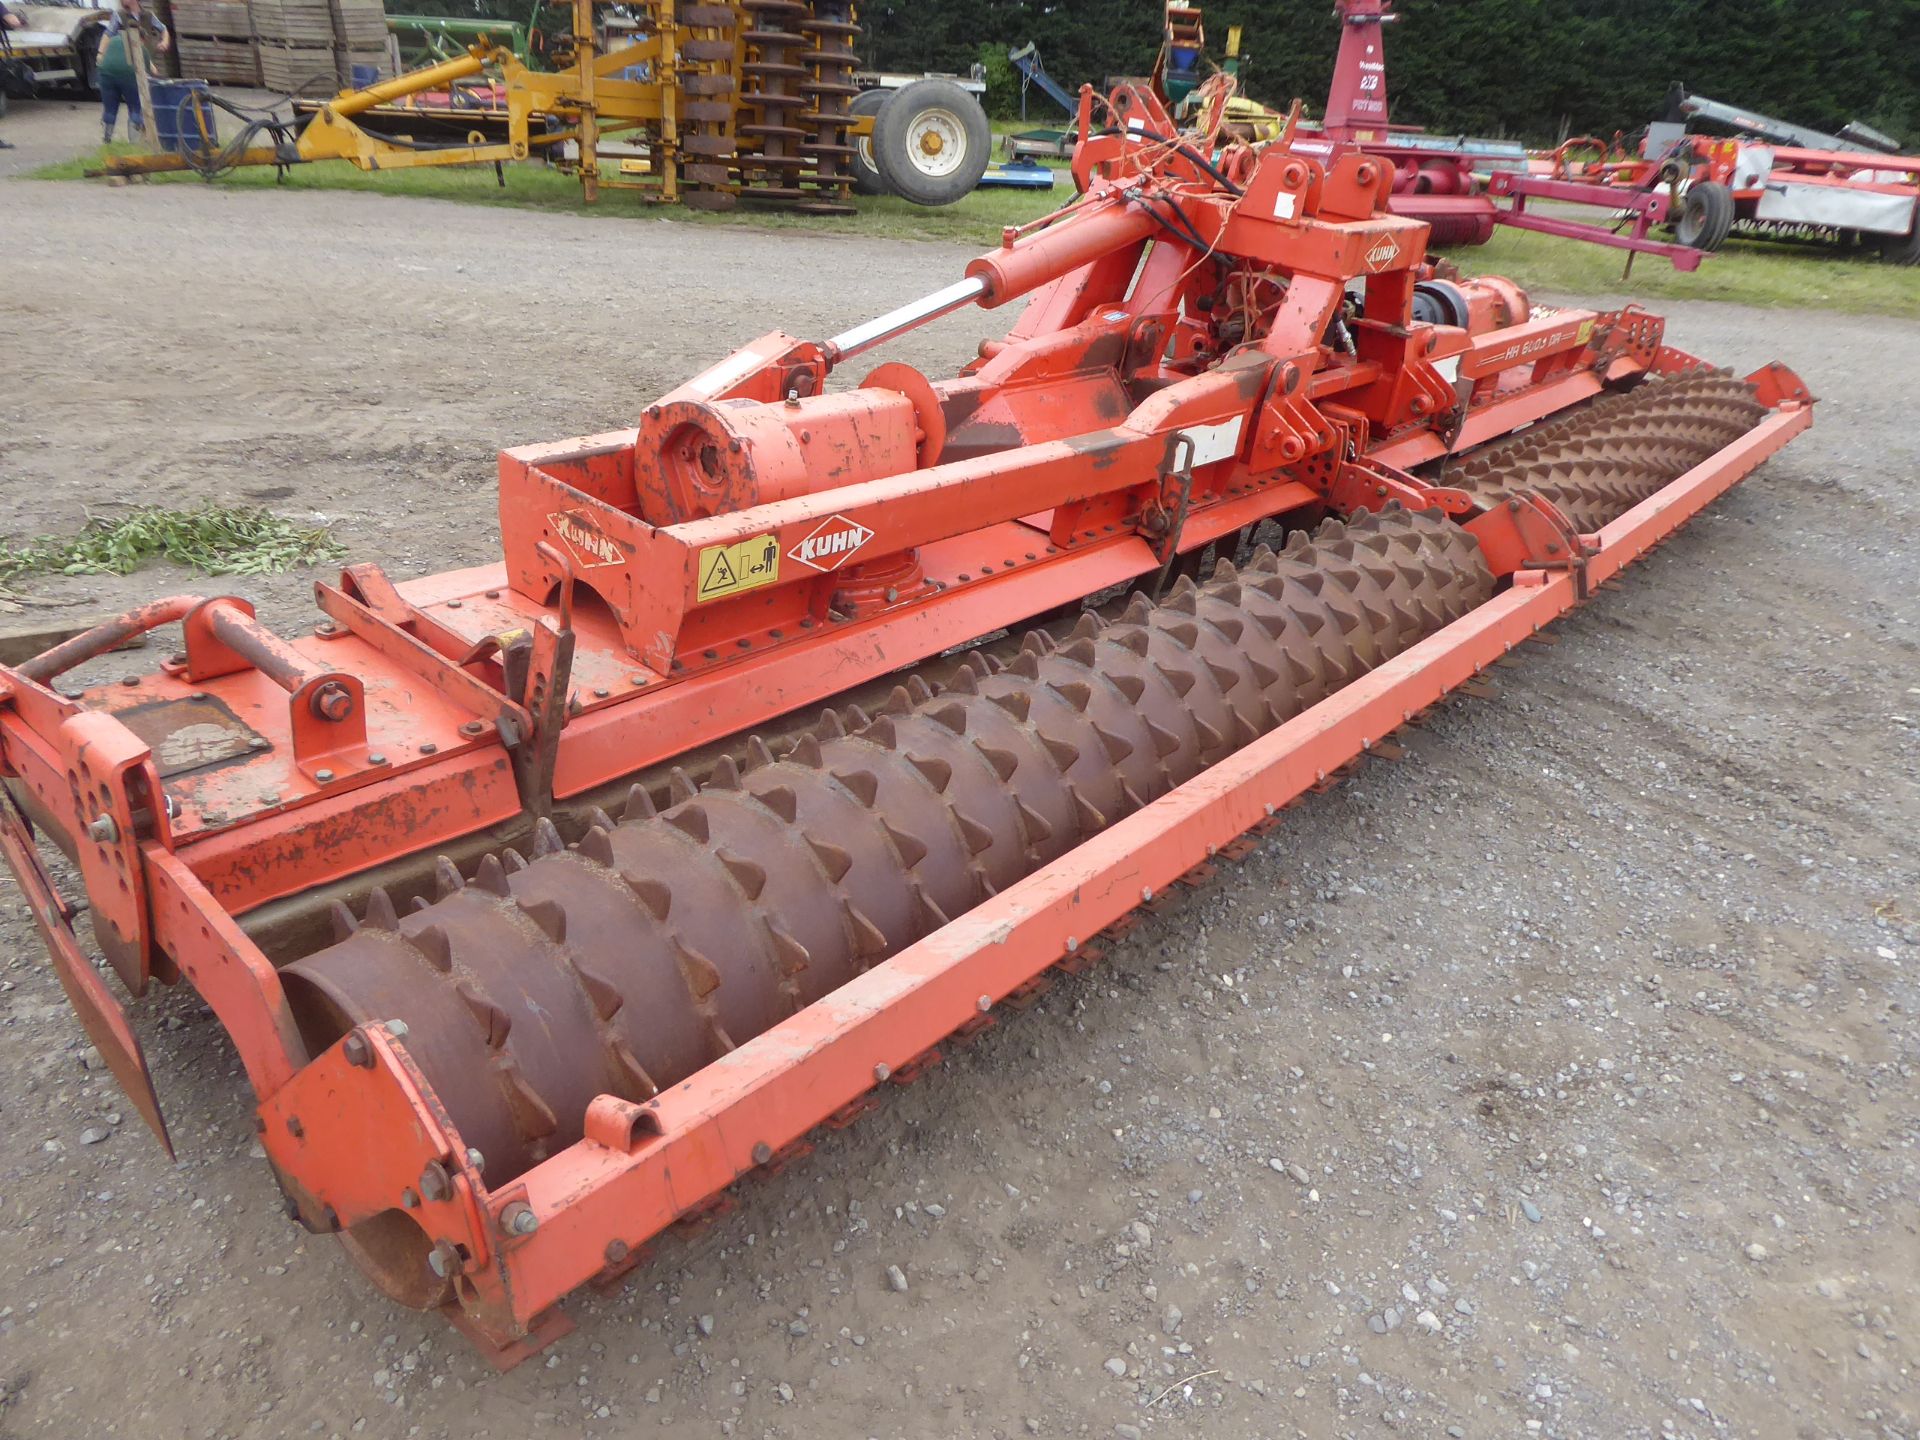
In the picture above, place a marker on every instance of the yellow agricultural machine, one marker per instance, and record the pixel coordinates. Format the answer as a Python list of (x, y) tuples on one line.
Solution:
[(709, 105)]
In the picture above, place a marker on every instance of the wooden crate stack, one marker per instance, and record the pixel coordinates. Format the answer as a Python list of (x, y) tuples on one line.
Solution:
[(360, 37), (214, 41), (296, 46)]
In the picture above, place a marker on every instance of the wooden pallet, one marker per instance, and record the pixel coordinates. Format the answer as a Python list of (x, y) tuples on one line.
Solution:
[(304, 24), (299, 70), (213, 19), (219, 61), (358, 24)]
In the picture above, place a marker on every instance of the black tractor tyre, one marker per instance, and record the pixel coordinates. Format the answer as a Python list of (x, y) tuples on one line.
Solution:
[(1903, 249), (931, 142), (1706, 215), (85, 46), (866, 175)]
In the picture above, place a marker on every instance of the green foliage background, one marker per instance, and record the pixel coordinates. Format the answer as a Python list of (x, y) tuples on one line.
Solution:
[(1532, 69), (1536, 70)]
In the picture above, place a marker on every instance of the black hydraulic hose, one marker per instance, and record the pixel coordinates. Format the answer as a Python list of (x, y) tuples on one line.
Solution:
[(1180, 147)]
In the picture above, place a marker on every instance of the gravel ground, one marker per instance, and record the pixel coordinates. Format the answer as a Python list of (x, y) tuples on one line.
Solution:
[(1555, 1080)]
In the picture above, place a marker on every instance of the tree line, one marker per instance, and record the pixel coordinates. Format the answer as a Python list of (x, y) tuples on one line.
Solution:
[(1528, 69)]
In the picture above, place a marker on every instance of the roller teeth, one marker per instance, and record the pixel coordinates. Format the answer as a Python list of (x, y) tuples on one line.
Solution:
[(605, 998), (343, 920), (1596, 463), (910, 850), (1004, 762), (665, 938), (864, 784), (492, 874), (435, 947), (748, 876), (690, 821), (380, 912), (655, 895), (495, 1024), (597, 845), (869, 941), (937, 773), (549, 916), (834, 860)]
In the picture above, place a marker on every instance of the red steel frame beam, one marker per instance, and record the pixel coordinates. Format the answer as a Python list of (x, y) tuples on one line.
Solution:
[(691, 1143), (1648, 207)]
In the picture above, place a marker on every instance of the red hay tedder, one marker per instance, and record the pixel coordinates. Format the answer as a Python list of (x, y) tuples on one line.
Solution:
[(543, 901)]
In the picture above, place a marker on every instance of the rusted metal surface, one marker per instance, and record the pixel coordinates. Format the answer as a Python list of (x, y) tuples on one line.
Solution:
[(100, 1015), (770, 162), (1618, 451), (830, 30), (656, 944)]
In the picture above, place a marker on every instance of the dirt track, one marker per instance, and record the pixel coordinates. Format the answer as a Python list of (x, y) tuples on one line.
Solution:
[(1630, 948)]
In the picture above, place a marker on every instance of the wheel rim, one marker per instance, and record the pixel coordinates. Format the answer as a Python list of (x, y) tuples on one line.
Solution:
[(936, 142), (863, 144)]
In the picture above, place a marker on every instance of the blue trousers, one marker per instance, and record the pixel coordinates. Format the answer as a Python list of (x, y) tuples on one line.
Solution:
[(114, 92)]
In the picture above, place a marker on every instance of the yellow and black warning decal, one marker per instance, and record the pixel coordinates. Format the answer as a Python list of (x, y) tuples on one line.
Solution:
[(730, 569)]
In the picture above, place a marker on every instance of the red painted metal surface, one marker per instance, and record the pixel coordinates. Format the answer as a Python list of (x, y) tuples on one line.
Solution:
[(757, 545), (642, 1168), (1647, 207)]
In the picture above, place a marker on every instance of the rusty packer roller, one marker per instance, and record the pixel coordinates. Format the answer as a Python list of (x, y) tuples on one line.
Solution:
[(500, 1040)]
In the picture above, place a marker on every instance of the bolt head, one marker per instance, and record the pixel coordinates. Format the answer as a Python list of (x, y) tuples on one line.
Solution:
[(323, 776), (476, 1159), (374, 757), (443, 1260), (104, 829), (519, 1219), (762, 1153), (435, 1183), (357, 1051), (397, 1029), (617, 1252), (473, 727)]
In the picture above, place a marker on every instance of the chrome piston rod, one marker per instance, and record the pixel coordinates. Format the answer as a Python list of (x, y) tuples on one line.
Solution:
[(911, 316)]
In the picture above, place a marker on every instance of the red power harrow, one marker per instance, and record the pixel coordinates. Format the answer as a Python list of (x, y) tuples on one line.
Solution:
[(539, 915)]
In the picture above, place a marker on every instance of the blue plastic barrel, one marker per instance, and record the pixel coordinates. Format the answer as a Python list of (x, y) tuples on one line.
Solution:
[(180, 111), (365, 76)]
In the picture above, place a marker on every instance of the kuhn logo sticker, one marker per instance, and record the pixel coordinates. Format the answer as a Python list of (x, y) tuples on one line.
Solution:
[(832, 545), (1383, 254), (590, 545)]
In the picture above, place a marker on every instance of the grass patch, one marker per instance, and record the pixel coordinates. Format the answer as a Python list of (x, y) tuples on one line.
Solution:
[(1772, 275), (976, 220), (214, 539)]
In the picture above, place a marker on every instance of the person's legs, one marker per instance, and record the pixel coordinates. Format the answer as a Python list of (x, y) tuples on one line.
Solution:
[(110, 105)]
